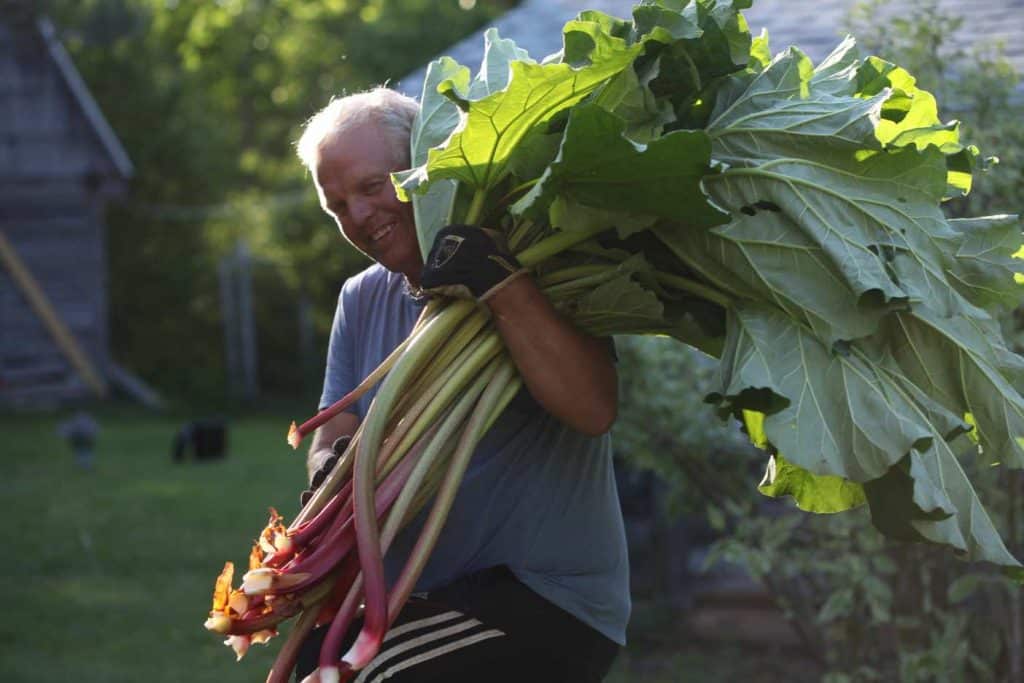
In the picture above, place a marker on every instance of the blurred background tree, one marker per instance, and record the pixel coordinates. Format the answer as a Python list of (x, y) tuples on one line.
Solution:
[(208, 98)]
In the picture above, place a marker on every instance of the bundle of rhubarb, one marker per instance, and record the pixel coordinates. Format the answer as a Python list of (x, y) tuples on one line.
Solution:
[(668, 175)]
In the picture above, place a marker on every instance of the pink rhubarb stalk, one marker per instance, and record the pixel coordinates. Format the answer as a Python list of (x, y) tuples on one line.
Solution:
[(296, 434)]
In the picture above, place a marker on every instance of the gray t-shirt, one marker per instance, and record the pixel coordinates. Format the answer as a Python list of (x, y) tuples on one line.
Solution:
[(537, 496)]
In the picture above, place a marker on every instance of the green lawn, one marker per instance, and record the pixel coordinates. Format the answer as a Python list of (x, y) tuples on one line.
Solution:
[(113, 569)]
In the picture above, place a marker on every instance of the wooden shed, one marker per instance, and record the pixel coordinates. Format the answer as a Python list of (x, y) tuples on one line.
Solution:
[(60, 163)]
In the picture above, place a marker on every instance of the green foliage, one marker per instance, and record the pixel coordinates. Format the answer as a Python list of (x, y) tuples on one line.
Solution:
[(868, 609), (208, 97), (665, 426)]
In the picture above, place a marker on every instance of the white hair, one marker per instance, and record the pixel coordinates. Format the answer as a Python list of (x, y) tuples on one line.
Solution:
[(391, 110)]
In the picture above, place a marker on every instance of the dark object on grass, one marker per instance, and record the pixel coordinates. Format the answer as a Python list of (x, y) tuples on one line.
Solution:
[(205, 439), (80, 431)]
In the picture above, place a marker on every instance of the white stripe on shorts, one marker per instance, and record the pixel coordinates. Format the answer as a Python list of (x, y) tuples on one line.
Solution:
[(421, 623), (437, 652), (387, 654)]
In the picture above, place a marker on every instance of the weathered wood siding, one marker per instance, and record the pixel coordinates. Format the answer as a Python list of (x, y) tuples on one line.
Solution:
[(52, 174)]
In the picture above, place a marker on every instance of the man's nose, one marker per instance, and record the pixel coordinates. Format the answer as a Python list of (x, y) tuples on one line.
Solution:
[(360, 209)]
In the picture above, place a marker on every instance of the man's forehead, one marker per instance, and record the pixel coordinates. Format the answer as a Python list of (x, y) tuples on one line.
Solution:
[(356, 135)]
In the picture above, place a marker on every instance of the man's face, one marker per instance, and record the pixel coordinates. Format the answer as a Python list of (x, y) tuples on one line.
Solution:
[(353, 181)]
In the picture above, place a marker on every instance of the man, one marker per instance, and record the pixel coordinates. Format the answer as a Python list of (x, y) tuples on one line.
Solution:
[(529, 578)]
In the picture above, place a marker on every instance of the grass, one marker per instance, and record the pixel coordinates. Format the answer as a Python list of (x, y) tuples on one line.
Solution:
[(113, 568)]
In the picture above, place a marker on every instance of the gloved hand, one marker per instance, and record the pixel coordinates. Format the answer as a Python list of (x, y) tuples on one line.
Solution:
[(337, 450), (469, 263)]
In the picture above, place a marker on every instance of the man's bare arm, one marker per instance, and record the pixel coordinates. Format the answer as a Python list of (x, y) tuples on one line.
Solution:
[(570, 373)]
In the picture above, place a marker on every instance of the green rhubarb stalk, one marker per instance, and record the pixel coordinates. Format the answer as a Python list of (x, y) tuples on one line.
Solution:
[(573, 273), (439, 364), (430, 392), (296, 434), (555, 244), (434, 333), (433, 456), (693, 287), (566, 288), (503, 373), (433, 478), (437, 397), (338, 474), (331, 484)]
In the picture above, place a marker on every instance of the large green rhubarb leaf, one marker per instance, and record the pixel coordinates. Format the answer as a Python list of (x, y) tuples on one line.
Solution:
[(437, 118), (829, 412), (790, 110), (878, 226), (962, 364), (692, 66), (597, 166), (811, 492), (984, 270), (762, 254), (478, 152), (615, 302), (928, 497), (816, 158), (910, 117), (629, 96)]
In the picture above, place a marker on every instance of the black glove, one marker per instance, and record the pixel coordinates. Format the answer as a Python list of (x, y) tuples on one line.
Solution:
[(337, 450), (469, 263)]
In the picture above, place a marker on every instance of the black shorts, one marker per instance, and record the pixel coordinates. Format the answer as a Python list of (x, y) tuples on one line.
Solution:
[(486, 627)]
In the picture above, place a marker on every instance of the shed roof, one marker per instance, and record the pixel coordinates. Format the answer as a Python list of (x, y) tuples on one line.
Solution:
[(84, 98), (49, 122), (815, 26)]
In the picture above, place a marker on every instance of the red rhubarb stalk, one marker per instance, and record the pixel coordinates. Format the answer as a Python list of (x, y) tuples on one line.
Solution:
[(296, 434), (329, 666), (284, 663), (337, 543), (304, 533)]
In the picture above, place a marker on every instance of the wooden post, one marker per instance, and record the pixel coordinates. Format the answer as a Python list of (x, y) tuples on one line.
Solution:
[(240, 349), (44, 309), (228, 311), (246, 323), (307, 343)]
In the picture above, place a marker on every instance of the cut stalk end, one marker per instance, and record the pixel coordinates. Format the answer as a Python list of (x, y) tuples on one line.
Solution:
[(294, 436), (218, 623), (265, 579)]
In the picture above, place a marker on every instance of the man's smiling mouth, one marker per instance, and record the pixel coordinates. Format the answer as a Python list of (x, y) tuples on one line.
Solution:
[(381, 233)]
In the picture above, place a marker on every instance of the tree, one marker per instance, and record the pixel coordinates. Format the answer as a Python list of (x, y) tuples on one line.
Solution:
[(208, 99)]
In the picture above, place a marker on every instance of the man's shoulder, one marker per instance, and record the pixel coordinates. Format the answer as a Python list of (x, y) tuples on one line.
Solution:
[(373, 275), (373, 279), (373, 289)]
